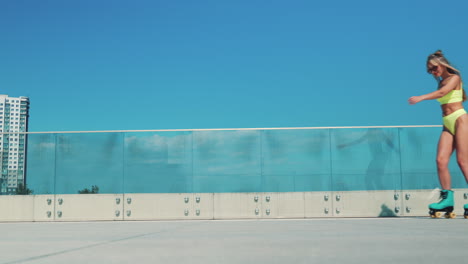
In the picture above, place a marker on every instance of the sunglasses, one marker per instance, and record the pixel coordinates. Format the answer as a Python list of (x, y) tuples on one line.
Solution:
[(432, 69)]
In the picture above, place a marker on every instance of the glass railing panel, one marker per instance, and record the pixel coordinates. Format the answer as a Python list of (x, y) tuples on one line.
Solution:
[(216, 161), (419, 152), (158, 162), (296, 160), (40, 164), (227, 161), (365, 159), (89, 163)]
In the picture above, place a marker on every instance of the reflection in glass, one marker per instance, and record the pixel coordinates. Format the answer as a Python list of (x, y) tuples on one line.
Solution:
[(365, 159), (226, 161), (158, 162), (40, 165), (84, 160), (217, 161), (296, 160)]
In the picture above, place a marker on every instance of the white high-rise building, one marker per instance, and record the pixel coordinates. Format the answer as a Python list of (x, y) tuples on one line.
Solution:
[(14, 113)]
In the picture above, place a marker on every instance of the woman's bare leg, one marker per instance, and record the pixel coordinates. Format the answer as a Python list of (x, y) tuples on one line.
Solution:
[(461, 144), (444, 151)]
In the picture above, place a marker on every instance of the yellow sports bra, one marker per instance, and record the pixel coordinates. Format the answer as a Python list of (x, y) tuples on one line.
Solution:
[(453, 96)]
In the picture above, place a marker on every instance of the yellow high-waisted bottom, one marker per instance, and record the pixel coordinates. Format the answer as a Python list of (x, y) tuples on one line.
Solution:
[(451, 120)]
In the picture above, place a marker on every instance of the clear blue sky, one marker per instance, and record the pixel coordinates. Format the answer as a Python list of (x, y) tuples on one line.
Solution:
[(115, 64)]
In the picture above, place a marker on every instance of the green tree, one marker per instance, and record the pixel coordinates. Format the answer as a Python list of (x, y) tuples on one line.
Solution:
[(94, 189), (23, 190)]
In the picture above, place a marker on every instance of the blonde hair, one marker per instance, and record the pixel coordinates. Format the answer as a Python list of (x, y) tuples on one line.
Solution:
[(437, 58)]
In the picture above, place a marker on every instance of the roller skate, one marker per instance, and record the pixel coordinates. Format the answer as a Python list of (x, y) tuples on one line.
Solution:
[(466, 211), (445, 205)]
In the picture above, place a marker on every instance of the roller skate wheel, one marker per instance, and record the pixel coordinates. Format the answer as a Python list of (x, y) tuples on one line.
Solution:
[(450, 215), (438, 214)]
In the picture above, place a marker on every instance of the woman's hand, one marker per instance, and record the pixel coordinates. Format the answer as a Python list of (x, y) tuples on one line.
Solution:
[(415, 99)]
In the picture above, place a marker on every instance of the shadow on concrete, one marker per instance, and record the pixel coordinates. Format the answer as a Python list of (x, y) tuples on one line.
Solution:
[(386, 212)]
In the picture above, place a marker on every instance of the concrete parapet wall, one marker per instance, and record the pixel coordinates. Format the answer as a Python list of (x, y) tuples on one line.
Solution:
[(206, 206)]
